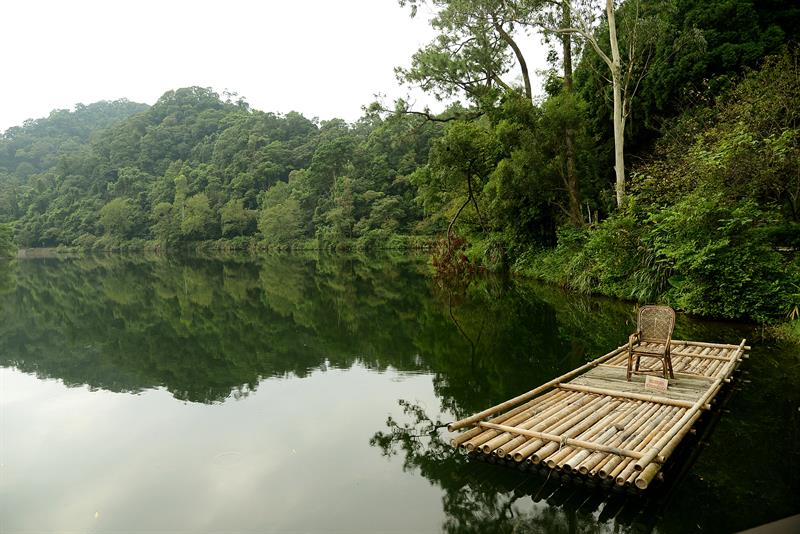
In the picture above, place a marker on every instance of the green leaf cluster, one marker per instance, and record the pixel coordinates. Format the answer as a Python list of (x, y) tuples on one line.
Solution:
[(712, 225)]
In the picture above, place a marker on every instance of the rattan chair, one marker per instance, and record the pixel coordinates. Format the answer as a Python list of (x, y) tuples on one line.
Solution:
[(651, 340)]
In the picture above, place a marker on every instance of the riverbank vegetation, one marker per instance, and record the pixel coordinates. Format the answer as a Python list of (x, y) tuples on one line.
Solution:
[(660, 162)]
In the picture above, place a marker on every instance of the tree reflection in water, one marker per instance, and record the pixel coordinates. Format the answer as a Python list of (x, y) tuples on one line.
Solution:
[(479, 497), (208, 329)]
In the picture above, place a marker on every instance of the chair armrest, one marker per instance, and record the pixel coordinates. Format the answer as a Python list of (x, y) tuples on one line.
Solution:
[(633, 338)]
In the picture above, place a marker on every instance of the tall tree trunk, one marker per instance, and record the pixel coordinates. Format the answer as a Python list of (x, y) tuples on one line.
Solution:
[(619, 123), (523, 65), (569, 134)]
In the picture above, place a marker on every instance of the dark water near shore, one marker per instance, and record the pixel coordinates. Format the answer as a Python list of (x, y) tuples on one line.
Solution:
[(286, 394)]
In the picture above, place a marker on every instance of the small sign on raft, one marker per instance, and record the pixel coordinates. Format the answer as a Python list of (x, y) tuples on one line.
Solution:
[(656, 382)]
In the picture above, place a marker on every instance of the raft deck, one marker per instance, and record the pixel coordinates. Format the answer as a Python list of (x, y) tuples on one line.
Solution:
[(594, 422)]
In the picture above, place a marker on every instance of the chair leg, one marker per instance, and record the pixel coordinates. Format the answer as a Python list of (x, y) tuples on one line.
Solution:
[(669, 366), (630, 363), (664, 366)]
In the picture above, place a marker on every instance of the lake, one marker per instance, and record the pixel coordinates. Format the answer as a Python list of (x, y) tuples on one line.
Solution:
[(306, 394)]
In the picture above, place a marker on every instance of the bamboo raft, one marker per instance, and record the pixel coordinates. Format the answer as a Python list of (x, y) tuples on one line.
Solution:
[(593, 422)]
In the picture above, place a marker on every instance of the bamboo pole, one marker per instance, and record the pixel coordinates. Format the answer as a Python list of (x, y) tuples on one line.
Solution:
[(595, 459), (558, 459), (546, 421), (621, 473), (579, 410), (676, 373), (702, 367), (574, 431), (628, 395), (698, 359), (568, 441), (656, 449), (525, 396), (484, 435), (629, 439), (713, 345), (571, 463), (586, 431), (554, 413), (685, 360), (474, 432), (557, 426), (597, 433), (635, 441), (620, 359), (645, 477), (626, 468), (714, 369)]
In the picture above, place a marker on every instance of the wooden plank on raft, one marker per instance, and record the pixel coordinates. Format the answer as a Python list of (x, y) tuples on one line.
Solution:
[(677, 374), (628, 395), (680, 388)]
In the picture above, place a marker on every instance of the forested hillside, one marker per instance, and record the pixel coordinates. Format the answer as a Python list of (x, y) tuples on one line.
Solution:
[(661, 164), (194, 167)]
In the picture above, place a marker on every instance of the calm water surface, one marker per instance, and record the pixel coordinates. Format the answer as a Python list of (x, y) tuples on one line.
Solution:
[(286, 394)]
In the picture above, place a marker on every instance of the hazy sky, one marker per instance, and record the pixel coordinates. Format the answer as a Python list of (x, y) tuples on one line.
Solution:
[(323, 58)]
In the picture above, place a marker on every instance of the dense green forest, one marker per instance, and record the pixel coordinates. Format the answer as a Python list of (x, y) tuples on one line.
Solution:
[(700, 209)]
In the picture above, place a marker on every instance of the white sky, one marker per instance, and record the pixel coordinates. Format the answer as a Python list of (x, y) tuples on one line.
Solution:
[(323, 58)]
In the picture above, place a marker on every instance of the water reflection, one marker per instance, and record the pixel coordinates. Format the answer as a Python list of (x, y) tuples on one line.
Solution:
[(206, 328), (479, 497), (202, 328), (211, 329)]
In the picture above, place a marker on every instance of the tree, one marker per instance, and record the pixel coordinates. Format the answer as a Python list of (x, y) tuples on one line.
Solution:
[(475, 48), (459, 165), (165, 225), (281, 218), (198, 218), (117, 217), (8, 248), (477, 45), (640, 37), (235, 218), (571, 177)]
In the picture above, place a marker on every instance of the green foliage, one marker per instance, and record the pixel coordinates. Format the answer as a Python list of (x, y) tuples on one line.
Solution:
[(197, 219), (37, 145), (716, 147), (281, 220), (701, 49), (8, 248), (703, 255), (117, 217), (196, 168), (458, 168), (466, 57), (789, 331), (235, 218), (719, 260), (709, 215), (165, 225)]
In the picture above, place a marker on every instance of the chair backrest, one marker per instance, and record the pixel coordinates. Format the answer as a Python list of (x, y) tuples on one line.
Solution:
[(656, 323)]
